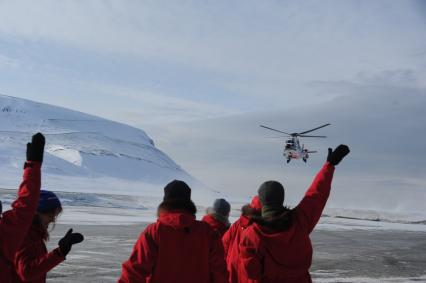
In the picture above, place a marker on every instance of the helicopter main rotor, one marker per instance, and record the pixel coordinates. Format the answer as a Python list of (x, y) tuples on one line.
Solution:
[(301, 134)]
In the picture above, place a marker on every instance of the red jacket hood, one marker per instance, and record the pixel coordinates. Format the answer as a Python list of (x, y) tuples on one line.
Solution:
[(177, 220), (214, 223), (277, 242)]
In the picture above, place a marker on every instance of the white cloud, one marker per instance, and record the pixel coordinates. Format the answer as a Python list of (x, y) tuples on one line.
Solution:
[(259, 43), (8, 63), (143, 107)]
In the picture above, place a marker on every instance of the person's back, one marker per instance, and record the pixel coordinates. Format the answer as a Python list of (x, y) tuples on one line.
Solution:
[(277, 248), (231, 238), (285, 252), (215, 224), (177, 248)]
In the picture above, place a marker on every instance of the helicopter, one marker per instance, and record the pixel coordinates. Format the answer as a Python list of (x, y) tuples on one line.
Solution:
[(292, 148)]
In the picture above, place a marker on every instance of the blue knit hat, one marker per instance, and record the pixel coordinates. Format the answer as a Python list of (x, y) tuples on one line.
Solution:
[(48, 202)]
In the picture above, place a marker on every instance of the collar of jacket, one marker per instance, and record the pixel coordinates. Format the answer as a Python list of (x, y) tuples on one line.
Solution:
[(176, 219)]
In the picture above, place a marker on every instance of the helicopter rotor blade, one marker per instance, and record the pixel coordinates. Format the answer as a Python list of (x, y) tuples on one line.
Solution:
[(305, 132), (275, 130), (306, 136), (277, 137)]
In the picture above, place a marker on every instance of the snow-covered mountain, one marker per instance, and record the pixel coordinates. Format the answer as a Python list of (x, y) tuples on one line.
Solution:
[(83, 152)]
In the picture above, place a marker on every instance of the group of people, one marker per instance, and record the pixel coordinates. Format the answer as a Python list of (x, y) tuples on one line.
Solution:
[(268, 243)]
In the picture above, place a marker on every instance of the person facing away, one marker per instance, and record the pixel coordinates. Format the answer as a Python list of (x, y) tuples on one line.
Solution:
[(277, 247), (232, 237), (15, 223), (32, 261), (218, 216), (177, 248)]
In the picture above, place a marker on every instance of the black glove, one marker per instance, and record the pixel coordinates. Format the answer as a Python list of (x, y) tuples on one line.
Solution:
[(68, 240), (35, 148), (334, 157)]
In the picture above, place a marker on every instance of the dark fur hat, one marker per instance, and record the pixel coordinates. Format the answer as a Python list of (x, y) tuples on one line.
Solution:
[(177, 190), (177, 197)]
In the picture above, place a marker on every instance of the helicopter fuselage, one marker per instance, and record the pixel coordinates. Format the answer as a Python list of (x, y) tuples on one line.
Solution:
[(292, 148)]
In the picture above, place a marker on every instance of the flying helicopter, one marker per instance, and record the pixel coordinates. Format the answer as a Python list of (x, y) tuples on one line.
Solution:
[(292, 148)]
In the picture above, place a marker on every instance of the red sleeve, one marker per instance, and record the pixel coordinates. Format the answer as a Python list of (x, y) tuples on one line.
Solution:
[(139, 267), (250, 267), (15, 223), (30, 266), (310, 208), (218, 271)]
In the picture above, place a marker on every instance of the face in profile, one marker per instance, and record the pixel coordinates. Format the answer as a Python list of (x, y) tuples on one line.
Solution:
[(49, 217)]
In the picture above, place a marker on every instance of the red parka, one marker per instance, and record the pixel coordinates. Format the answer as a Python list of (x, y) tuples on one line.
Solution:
[(231, 239), (15, 223), (286, 256), (175, 249), (215, 224), (32, 261)]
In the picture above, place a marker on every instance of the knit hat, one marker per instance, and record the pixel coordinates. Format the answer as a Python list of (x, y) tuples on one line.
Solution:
[(48, 202), (255, 203), (271, 194), (221, 206), (177, 190)]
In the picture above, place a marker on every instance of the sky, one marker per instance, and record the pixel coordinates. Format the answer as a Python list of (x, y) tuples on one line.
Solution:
[(200, 76)]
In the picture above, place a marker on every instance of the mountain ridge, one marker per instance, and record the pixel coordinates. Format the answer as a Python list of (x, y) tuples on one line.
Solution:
[(82, 145)]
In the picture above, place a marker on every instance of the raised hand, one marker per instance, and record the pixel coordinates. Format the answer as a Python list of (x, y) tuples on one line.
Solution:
[(35, 148), (334, 157)]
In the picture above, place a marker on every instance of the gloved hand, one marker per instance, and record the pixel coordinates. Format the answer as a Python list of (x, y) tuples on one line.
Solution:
[(334, 157), (68, 240), (35, 148)]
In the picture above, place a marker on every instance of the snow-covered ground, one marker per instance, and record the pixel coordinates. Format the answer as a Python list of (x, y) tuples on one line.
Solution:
[(361, 256), (118, 209)]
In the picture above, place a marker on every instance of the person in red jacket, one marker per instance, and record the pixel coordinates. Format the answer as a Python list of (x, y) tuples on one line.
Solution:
[(32, 261), (15, 223), (232, 237), (177, 248), (277, 248), (218, 216)]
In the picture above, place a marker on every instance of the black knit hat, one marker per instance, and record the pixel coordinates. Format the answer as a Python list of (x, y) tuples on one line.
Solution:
[(177, 190), (271, 194), (221, 206)]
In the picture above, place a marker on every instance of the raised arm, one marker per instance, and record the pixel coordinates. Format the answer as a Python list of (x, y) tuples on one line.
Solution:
[(16, 222), (309, 210)]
